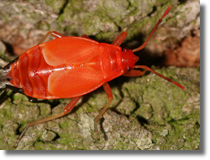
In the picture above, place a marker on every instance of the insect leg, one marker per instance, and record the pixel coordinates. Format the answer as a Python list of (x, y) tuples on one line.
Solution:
[(110, 97), (3, 96), (66, 110), (52, 33), (118, 41), (133, 73), (85, 36)]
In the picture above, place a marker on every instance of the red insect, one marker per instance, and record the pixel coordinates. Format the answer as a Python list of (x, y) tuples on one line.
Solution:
[(69, 67)]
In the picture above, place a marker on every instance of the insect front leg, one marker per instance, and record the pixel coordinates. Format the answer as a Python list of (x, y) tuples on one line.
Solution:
[(134, 73), (66, 110), (110, 97)]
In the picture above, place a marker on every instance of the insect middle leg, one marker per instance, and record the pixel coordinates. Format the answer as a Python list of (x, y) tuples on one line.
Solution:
[(118, 41), (85, 36), (66, 110)]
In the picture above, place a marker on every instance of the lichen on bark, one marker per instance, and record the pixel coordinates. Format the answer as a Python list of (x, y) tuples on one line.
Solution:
[(147, 112)]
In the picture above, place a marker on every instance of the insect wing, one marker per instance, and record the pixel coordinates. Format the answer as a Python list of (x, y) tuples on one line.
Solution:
[(74, 82), (69, 50)]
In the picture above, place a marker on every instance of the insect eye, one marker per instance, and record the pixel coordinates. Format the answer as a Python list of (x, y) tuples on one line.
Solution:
[(125, 49)]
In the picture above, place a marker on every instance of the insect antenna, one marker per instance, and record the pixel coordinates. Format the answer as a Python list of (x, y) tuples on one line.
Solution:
[(149, 69), (153, 30)]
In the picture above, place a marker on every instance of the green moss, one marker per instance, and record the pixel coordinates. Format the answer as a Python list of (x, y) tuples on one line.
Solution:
[(56, 5)]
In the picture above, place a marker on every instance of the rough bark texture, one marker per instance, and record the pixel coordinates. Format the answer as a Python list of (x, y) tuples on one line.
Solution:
[(147, 112)]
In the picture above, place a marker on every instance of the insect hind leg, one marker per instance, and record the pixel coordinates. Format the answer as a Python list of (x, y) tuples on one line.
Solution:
[(52, 33), (66, 110)]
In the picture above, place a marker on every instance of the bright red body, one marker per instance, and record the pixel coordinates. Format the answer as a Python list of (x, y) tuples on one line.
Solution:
[(67, 67)]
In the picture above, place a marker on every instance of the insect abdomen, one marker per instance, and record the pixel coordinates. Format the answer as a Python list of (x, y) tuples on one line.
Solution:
[(31, 73)]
